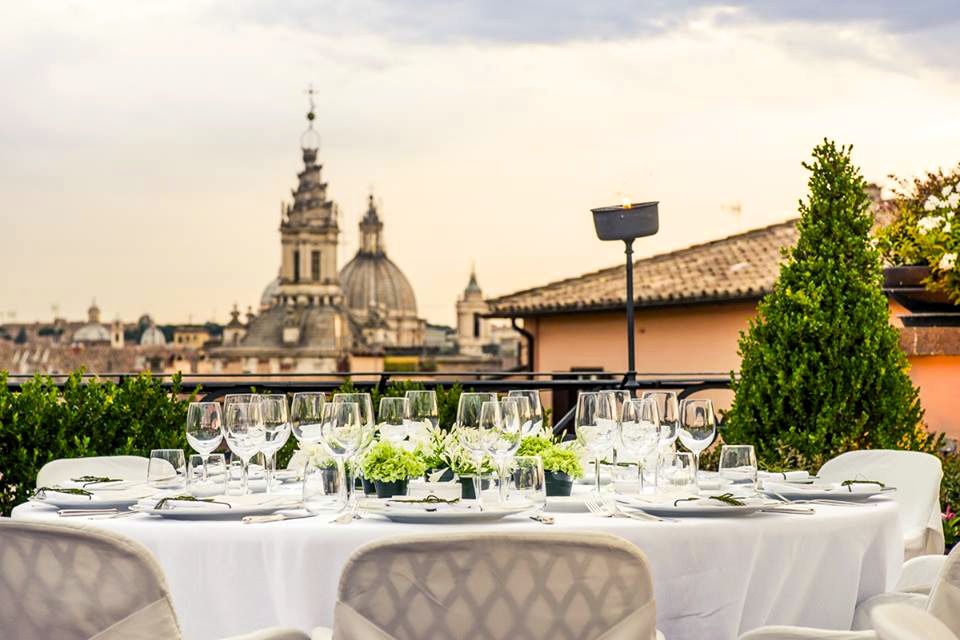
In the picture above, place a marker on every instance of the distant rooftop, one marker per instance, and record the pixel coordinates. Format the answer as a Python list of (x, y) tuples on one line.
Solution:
[(741, 267)]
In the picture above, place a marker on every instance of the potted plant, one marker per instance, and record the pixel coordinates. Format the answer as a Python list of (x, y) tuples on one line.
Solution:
[(920, 245), (314, 457), (561, 464), (433, 453), (390, 468), (464, 468)]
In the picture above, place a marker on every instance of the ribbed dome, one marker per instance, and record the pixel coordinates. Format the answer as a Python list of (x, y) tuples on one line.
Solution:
[(92, 333), (372, 280), (152, 337), (271, 290)]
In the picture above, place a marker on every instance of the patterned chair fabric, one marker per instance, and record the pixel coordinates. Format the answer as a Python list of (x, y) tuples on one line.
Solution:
[(496, 586), (124, 467)]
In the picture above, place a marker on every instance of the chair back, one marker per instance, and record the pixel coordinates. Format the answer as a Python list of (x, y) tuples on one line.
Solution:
[(70, 583), (516, 586), (915, 475), (944, 601), (903, 622), (124, 467)]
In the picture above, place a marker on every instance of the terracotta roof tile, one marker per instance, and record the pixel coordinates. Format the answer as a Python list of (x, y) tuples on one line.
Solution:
[(738, 267)]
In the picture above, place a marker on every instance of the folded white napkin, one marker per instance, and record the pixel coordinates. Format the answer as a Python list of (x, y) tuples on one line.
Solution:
[(785, 476), (95, 487), (445, 490)]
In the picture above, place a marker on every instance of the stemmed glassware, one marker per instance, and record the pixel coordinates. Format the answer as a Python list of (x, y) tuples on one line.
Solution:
[(343, 432), (390, 419), (505, 439), (367, 420), (596, 426), (305, 416), (474, 435), (617, 398), (534, 425), (422, 414), (640, 431), (204, 429), (244, 432), (469, 405), (276, 425), (668, 409), (697, 429)]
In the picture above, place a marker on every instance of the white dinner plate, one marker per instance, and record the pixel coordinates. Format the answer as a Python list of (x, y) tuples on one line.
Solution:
[(702, 508), (240, 506), (441, 513), (99, 500), (823, 491)]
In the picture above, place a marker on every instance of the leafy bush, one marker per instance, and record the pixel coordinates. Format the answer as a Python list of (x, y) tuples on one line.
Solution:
[(555, 456), (88, 418), (950, 498), (534, 445), (387, 462), (822, 371)]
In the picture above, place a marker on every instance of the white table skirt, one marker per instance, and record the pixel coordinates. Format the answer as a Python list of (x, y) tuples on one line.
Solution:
[(713, 578)]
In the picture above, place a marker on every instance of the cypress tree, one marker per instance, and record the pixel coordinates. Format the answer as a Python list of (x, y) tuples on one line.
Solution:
[(822, 371)]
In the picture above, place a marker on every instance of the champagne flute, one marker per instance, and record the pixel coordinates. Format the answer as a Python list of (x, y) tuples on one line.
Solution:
[(343, 432), (474, 436), (505, 440), (245, 433), (204, 429), (535, 425), (276, 426), (595, 425), (640, 431), (697, 429), (390, 419), (305, 416), (364, 404)]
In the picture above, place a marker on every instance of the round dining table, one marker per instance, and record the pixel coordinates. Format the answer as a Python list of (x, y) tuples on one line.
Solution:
[(714, 578)]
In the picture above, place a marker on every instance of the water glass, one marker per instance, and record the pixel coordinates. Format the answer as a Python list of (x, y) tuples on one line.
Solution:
[(535, 425), (204, 427), (276, 427), (697, 427), (390, 419), (640, 432), (323, 489), (738, 466), (679, 474), (596, 426), (529, 481), (167, 470), (305, 412), (207, 475)]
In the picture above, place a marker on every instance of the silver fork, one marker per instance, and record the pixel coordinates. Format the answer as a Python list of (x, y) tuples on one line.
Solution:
[(611, 510)]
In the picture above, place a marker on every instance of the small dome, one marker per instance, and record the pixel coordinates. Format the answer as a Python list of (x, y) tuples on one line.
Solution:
[(373, 280), (92, 333), (152, 337), (269, 293)]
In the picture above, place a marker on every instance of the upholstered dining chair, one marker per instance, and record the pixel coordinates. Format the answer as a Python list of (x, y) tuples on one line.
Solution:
[(124, 467), (903, 622), (72, 583), (520, 586), (943, 603), (916, 477)]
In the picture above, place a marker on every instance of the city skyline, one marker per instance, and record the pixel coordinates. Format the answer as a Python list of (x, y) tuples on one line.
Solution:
[(145, 155)]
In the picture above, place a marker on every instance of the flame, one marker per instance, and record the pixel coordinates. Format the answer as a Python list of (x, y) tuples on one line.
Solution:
[(625, 203)]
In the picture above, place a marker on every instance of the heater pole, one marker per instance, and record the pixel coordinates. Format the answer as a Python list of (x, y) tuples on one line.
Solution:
[(630, 379)]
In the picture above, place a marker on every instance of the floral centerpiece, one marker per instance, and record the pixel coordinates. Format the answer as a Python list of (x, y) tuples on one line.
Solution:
[(390, 468), (561, 464), (923, 240)]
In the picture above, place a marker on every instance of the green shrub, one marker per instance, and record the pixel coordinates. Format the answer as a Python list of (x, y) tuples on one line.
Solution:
[(562, 459), (387, 462), (822, 371), (86, 418)]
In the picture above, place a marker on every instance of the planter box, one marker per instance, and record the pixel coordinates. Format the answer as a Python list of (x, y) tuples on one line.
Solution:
[(905, 285), (558, 484), (390, 489), (468, 492)]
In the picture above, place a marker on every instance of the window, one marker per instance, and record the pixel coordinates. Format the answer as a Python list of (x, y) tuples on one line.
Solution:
[(296, 266), (315, 265)]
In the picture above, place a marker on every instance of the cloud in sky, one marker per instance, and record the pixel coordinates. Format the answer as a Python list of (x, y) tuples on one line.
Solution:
[(145, 148)]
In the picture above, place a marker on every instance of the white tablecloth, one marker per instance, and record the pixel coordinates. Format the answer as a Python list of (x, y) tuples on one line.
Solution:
[(713, 578)]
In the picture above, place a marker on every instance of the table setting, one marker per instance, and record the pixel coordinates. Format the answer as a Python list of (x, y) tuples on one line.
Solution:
[(359, 476)]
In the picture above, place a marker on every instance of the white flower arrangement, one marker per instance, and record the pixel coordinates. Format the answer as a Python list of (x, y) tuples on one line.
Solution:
[(313, 455)]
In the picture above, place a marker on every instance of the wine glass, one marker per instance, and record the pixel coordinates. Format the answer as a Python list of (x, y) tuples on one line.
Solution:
[(474, 436), (530, 481), (276, 425), (390, 419), (669, 411), (535, 425), (343, 432), (596, 426), (697, 429), (617, 398), (469, 405), (245, 433), (640, 431), (305, 412), (738, 466), (505, 440), (364, 404), (422, 416), (525, 413), (204, 429)]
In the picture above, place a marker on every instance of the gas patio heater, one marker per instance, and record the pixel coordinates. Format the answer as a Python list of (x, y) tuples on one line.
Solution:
[(628, 222)]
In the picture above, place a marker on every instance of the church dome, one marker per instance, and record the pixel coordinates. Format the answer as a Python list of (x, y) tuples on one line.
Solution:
[(92, 333), (269, 293), (370, 281), (152, 337)]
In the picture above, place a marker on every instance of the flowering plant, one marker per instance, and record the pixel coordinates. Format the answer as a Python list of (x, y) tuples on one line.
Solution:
[(311, 455), (386, 462), (926, 230)]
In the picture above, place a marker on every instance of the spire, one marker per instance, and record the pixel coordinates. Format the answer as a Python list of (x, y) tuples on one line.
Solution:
[(310, 140), (472, 286), (371, 230), (93, 313)]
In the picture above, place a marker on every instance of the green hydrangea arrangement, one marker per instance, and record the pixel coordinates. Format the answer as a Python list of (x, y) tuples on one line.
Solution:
[(386, 462), (556, 457), (534, 445)]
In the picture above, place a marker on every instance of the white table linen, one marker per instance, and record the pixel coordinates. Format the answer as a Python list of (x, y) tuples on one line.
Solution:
[(713, 578)]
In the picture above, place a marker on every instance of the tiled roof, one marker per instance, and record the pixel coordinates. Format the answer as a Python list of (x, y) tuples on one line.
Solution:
[(739, 267)]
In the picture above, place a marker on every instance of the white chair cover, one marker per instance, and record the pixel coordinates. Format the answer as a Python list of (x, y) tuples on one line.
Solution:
[(497, 586), (125, 467), (916, 476), (902, 622), (72, 583), (945, 597)]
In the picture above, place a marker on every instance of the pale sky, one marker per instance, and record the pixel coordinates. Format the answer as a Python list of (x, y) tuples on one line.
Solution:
[(145, 148)]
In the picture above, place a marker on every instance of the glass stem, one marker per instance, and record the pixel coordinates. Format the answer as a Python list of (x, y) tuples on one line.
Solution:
[(351, 482), (501, 475), (478, 484), (696, 470), (640, 473), (244, 462), (203, 460), (597, 462), (342, 474), (268, 471)]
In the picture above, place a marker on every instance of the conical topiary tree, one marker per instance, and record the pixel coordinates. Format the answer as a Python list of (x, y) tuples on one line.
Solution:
[(822, 370)]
